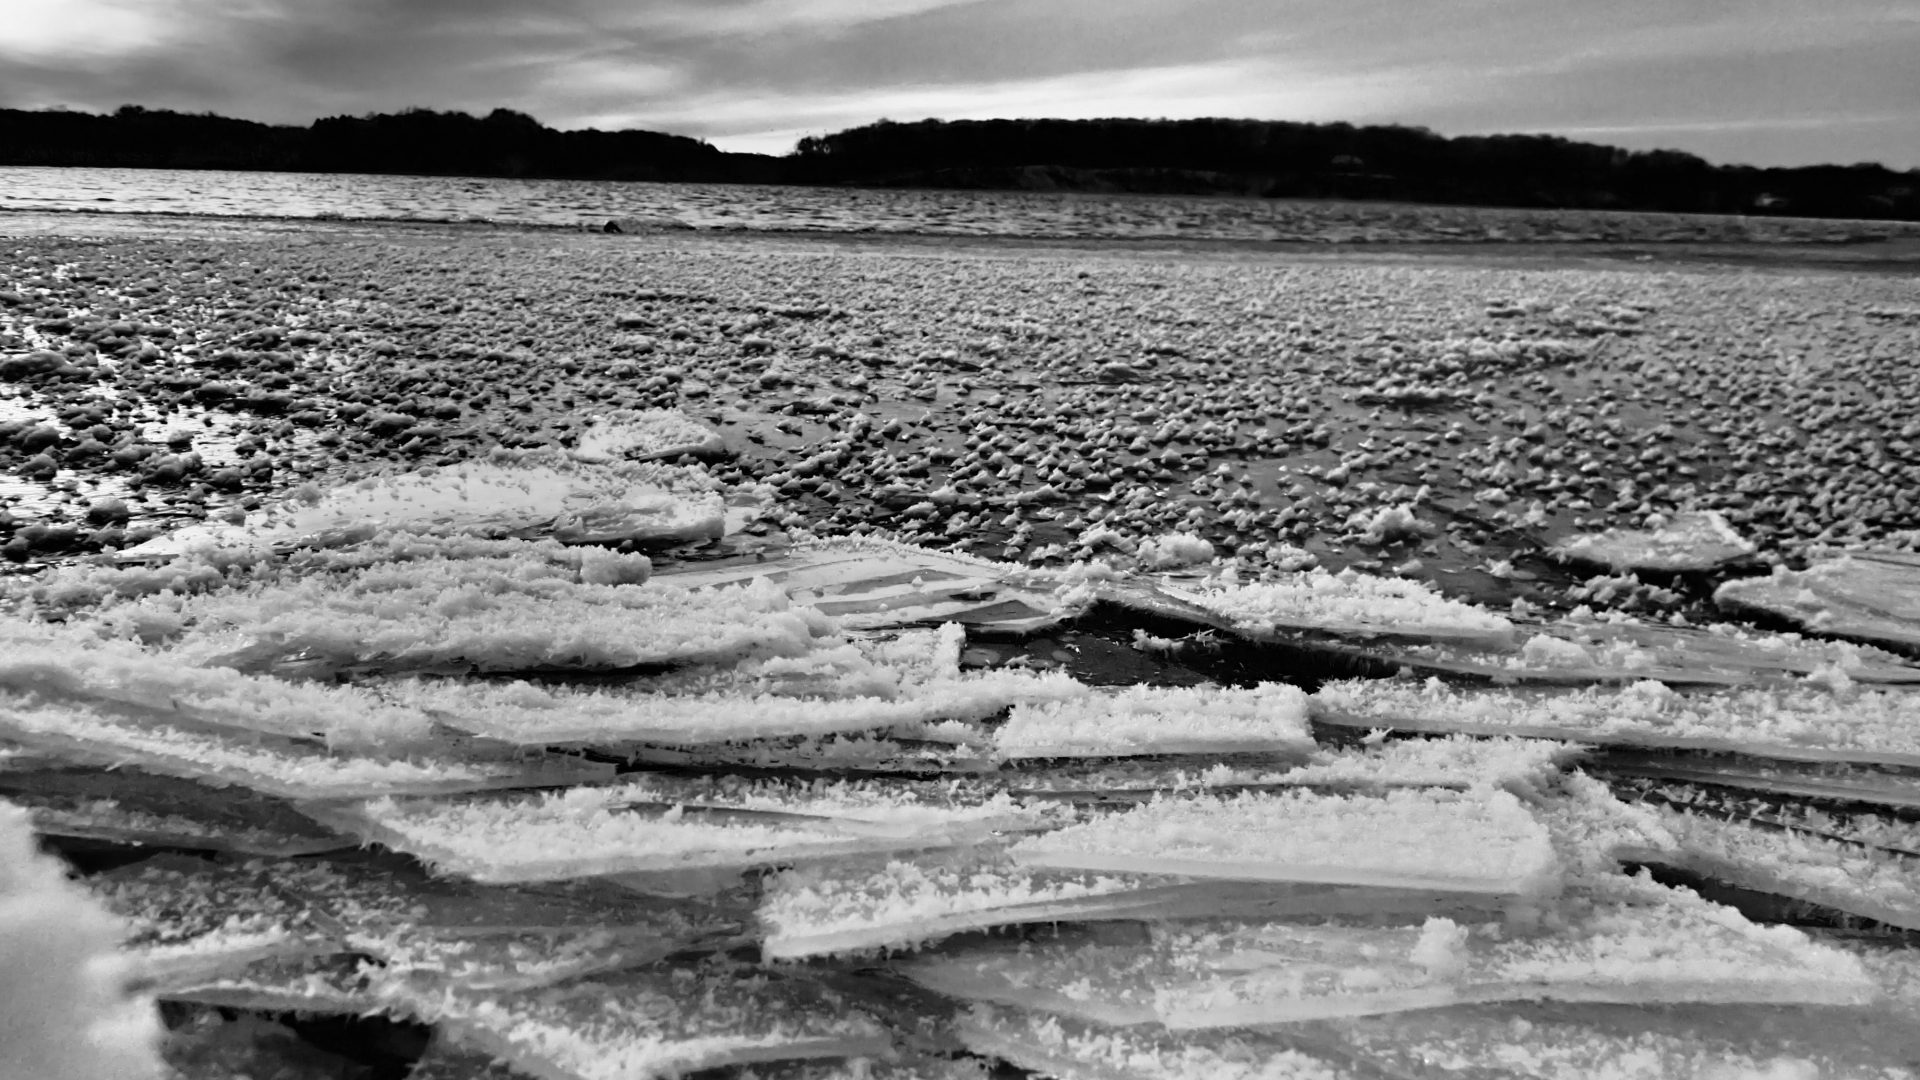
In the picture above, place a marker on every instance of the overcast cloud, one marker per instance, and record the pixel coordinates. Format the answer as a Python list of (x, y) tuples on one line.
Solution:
[(1761, 81)]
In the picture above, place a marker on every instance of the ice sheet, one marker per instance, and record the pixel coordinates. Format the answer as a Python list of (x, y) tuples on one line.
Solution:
[(1479, 841), (1806, 723)]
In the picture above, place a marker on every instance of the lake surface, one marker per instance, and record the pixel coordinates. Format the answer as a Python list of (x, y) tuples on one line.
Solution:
[(772, 208)]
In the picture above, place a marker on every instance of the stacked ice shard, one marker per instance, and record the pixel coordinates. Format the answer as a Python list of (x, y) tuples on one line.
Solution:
[(599, 815)]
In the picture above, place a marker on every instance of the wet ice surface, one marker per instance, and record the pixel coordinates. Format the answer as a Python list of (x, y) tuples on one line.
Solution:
[(1116, 470)]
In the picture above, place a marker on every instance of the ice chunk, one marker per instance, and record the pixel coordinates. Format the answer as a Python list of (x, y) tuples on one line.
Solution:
[(1350, 604), (1700, 540), (1073, 1050), (1827, 781), (1456, 761), (335, 984), (1871, 596), (197, 922), (1266, 718), (129, 807), (1800, 864), (656, 824), (851, 906), (867, 583), (99, 734), (496, 615), (657, 1023), (1802, 724), (1622, 650), (1479, 841), (54, 664), (1636, 943), (1551, 1041), (507, 494), (822, 692), (646, 435)]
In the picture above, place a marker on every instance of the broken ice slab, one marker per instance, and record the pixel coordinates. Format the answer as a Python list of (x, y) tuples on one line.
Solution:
[(433, 932), (897, 1065), (1805, 723), (1854, 820), (523, 494), (1269, 718), (647, 435), (659, 824), (194, 919), (487, 614), (660, 1022), (1574, 653), (1684, 543), (834, 754), (1639, 944), (1348, 604), (550, 714), (54, 663), (288, 768), (850, 906), (336, 984), (868, 583), (1760, 778), (75, 591), (190, 919), (1477, 841), (1074, 1050), (1871, 596), (1454, 761), (1798, 864), (135, 808), (1552, 1041)]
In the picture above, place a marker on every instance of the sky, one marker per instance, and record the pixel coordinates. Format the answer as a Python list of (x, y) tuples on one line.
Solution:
[(1765, 82)]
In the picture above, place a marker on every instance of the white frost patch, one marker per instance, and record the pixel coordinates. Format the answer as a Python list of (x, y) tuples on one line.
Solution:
[(1268, 718), (646, 435), (1348, 602), (506, 494)]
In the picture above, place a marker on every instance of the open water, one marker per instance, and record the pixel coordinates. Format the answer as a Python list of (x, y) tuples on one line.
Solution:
[(772, 208)]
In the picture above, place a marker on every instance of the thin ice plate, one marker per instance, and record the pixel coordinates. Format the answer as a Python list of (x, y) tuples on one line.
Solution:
[(652, 825), (292, 769), (1687, 542), (856, 905), (1869, 596), (127, 806), (657, 1023), (1073, 1050), (1806, 723), (1657, 946), (1479, 841)]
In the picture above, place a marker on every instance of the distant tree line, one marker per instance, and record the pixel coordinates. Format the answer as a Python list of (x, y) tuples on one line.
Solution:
[(1299, 160), (413, 142), (1209, 156)]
